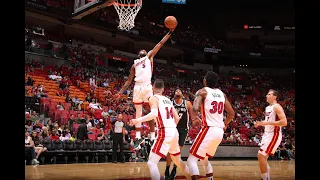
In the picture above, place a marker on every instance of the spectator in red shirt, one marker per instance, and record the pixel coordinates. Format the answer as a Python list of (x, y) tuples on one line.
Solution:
[(96, 114), (65, 92), (54, 135)]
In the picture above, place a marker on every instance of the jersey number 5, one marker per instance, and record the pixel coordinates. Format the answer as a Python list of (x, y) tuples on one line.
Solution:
[(143, 65), (216, 107), (169, 113)]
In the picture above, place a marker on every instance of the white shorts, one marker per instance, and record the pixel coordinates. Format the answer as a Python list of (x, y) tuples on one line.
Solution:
[(166, 142), (142, 93), (269, 143), (207, 142)]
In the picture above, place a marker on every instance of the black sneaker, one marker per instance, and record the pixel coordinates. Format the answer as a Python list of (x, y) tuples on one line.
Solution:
[(173, 173), (166, 174), (137, 142)]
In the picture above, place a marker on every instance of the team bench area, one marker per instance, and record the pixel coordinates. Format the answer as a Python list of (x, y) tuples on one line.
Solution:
[(79, 151)]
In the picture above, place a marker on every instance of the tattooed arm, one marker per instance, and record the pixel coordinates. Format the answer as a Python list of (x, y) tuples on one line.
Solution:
[(200, 97)]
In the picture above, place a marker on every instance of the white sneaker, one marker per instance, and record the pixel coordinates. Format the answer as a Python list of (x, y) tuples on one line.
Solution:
[(35, 161)]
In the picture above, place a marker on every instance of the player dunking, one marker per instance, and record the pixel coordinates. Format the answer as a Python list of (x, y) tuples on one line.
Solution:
[(184, 108), (272, 136), (212, 102), (168, 135), (142, 91)]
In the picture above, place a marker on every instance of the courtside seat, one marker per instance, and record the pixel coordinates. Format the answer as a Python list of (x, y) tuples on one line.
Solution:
[(126, 151), (70, 148), (107, 145), (58, 147), (88, 149), (50, 152), (100, 151)]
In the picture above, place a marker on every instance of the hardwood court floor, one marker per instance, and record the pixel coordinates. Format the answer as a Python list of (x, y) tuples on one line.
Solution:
[(222, 170)]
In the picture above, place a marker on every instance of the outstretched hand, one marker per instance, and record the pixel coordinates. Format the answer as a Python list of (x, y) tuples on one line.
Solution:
[(172, 29)]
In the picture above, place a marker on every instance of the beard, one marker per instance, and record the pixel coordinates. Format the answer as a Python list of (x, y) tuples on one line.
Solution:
[(176, 96)]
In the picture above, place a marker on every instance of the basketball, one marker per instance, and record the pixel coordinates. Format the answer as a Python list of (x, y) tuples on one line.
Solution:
[(170, 22)]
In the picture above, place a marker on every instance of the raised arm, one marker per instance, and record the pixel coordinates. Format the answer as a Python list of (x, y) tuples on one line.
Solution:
[(200, 96), (128, 82), (230, 111), (155, 50)]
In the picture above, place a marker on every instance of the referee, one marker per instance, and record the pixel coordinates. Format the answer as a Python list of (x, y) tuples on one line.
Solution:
[(118, 138)]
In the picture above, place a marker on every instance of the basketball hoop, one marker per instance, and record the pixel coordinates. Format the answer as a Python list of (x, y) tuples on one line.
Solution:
[(127, 11)]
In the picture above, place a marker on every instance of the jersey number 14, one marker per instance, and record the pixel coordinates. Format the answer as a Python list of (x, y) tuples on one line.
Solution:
[(169, 113)]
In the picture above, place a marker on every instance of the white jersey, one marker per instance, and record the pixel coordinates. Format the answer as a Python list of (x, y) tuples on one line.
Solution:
[(271, 116), (143, 68), (27, 141), (212, 108), (165, 117)]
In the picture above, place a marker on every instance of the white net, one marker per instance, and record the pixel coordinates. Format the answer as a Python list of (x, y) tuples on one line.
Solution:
[(127, 11)]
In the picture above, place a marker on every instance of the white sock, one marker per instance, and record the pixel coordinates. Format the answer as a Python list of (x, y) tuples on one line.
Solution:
[(153, 135), (264, 176), (138, 134)]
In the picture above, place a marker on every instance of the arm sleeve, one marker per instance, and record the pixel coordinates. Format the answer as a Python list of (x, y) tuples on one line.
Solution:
[(153, 114)]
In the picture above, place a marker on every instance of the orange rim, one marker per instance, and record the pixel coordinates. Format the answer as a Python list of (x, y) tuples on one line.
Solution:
[(127, 5)]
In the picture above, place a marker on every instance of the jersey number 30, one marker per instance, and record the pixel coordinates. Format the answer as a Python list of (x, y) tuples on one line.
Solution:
[(216, 107), (169, 113)]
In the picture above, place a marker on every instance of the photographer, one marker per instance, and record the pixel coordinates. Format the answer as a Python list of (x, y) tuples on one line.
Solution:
[(143, 150)]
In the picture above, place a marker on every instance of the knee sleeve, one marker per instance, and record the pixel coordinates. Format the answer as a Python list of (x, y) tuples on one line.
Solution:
[(153, 166), (193, 166)]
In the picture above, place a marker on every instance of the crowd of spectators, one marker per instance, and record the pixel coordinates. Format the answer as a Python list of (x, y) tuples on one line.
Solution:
[(249, 104)]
